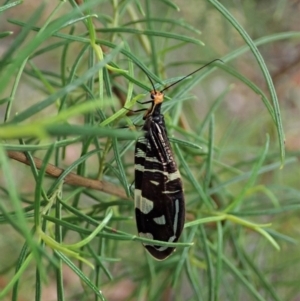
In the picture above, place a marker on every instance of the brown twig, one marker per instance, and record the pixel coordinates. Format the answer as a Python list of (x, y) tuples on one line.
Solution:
[(72, 178)]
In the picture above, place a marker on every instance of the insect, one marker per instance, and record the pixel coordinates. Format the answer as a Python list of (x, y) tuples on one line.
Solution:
[(158, 196)]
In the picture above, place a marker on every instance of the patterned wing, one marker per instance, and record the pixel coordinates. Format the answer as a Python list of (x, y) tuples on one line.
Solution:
[(159, 200)]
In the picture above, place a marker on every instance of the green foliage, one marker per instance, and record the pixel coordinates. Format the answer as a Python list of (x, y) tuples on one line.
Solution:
[(67, 83)]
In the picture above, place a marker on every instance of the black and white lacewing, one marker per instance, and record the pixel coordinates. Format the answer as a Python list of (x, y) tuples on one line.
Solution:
[(159, 198)]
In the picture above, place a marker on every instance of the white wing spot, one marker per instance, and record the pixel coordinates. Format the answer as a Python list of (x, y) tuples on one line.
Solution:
[(160, 220), (176, 217), (162, 248), (139, 167), (150, 236), (153, 159), (154, 183), (142, 203), (140, 153), (143, 140), (173, 176), (146, 235), (170, 192)]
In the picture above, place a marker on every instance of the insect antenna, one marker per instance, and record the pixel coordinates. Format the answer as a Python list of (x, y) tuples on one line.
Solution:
[(152, 84), (189, 74)]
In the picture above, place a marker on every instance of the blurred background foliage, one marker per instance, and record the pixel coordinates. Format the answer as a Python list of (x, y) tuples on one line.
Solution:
[(62, 104)]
